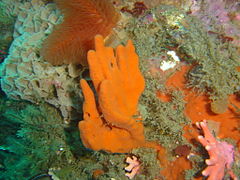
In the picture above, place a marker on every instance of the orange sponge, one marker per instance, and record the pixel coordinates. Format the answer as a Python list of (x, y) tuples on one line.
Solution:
[(112, 125)]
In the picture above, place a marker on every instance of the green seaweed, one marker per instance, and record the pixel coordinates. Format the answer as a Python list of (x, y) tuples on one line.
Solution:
[(163, 121), (236, 164), (39, 142), (198, 165), (150, 166), (5, 17), (112, 164), (6, 27), (215, 60)]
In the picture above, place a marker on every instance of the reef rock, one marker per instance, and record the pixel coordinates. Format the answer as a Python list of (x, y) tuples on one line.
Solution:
[(25, 75)]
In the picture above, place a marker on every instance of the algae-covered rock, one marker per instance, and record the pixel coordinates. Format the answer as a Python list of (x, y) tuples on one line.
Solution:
[(215, 59), (219, 105), (35, 135), (6, 26)]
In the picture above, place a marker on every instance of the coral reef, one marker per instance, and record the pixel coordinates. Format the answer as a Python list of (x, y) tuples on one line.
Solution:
[(162, 118), (138, 9), (113, 164), (221, 154), (27, 76), (3, 55), (182, 4), (119, 84), (6, 26), (218, 17), (150, 165), (35, 144), (35, 136), (133, 166), (123, 111), (215, 62), (83, 19)]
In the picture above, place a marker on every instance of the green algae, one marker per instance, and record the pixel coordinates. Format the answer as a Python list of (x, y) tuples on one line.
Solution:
[(215, 60), (236, 165), (150, 166), (5, 17), (197, 167), (6, 27), (113, 164), (39, 139), (36, 140), (163, 121), (214, 72)]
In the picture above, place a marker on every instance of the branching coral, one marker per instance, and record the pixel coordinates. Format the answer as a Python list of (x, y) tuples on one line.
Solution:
[(83, 19), (221, 154), (112, 125), (133, 166)]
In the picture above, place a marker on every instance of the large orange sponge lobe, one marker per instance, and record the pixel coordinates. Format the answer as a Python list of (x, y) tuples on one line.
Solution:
[(112, 122), (83, 19)]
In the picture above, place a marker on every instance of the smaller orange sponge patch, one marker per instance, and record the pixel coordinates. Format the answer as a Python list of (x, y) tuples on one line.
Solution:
[(199, 107), (112, 125)]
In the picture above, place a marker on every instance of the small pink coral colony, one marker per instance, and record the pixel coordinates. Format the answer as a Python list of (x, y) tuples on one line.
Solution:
[(133, 167), (221, 154)]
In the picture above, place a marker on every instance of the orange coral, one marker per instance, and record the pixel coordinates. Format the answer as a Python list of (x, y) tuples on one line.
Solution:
[(112, 125), (83, 19), (198, 108)]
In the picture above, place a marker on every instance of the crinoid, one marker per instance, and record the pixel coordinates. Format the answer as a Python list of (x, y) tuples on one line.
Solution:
[(83, 19)]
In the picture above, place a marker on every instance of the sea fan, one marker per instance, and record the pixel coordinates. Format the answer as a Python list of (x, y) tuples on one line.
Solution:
[(83, 19)]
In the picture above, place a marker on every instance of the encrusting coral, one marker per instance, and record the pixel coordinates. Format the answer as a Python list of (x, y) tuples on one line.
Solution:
[(133, 167), (83, 19), (221, 154), (112, 125)]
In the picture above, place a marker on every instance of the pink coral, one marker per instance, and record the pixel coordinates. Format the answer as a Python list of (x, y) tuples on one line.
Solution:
[(221, 154), (216, 16), (133, 167)]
